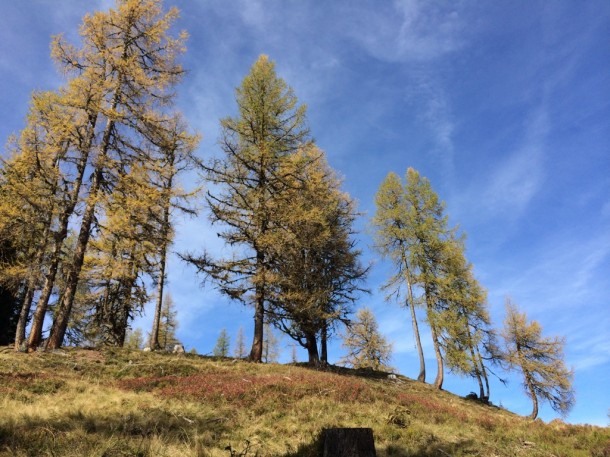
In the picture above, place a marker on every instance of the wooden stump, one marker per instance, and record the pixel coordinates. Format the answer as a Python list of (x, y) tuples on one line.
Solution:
[(349, 442)]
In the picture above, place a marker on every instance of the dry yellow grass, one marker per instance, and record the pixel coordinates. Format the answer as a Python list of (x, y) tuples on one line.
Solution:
[(121, 402)]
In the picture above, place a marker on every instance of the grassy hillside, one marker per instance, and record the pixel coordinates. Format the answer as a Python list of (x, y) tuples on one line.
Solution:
[(131, 403)]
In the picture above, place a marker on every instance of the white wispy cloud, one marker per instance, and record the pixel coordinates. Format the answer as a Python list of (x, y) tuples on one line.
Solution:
[(252, 12), (588, 344), (505, 192), (516, 180), (409, 30)]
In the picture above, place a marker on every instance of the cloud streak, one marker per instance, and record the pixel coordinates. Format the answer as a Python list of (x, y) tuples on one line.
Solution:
[(407, 31)]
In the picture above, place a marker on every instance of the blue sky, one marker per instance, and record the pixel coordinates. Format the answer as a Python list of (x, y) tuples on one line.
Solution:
[(504, 106)]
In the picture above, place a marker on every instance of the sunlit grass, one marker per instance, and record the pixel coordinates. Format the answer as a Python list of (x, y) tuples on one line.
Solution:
[(121, 402)]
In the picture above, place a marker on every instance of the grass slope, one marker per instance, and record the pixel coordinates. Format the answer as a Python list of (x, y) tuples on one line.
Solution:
[(132, 403)]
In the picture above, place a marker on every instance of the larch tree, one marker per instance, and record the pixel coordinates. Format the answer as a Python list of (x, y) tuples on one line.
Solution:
[(168, 324), (120, 258), (271, 346), (77, 101), (463, 320), (394, 238), (316, 273), (119, 97), (366, 347), (293, 353), (223, 343), (35, 185), (245, 185), (176, 156), (412, 231), (426, 216), (540, 360), (134, 339), (240, 345)]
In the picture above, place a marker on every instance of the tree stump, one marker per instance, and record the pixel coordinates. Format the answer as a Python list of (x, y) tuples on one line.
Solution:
[(349, 442)]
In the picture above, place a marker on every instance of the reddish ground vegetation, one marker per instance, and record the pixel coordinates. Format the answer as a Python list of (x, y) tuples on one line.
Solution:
[(246, 390)]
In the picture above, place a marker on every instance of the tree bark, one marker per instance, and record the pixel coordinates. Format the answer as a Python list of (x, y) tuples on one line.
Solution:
[(534, 413), (60, 323), (154, 336), (43, 301), (529, 384), (59, 238), (26, 305), (312, 349), (476, 367), (31, 289), (483, 371), (440, 375), (256, 352), (486, 379), (324, 343), (438, 381), (411, 304)]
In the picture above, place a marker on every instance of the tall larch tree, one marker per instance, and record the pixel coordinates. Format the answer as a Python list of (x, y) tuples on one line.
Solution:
[(121, 257), (239, 351), (127, 62), (271, 346), (462, 318), (78, 100), (269, 127), (168, 324), (540, 360), (394, 239), (316, 273), (34, 188), (426, 216), (175, 156)]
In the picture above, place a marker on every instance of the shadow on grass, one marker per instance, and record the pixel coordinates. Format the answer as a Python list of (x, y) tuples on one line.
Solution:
[(433, 448), (130, 434)]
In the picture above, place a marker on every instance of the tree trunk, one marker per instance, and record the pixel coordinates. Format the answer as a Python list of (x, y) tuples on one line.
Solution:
[(529, 384), (60, 323), (438, 381), (26, 305), (312, 349), (534, 413), (59, 238), (154, 336), (486, 379), (43, 301), (483, 371), (476, 368), (411, 304), (256, 353), (324, 343)]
